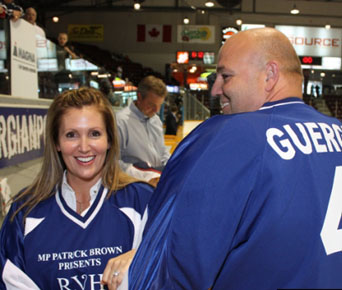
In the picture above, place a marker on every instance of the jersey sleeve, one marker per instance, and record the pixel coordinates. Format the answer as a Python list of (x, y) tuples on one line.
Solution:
[(133, 202), (12, 253)]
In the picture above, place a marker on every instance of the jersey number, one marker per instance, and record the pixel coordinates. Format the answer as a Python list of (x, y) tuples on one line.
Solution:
[(331, 236)]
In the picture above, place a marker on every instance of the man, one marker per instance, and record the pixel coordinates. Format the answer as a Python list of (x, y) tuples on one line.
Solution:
[(252, 199), (31, 17), (143, 153)]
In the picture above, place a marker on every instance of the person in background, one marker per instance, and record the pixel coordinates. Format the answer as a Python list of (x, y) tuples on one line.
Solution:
[(31, 17), (64, 50), (105, 85), (81, 210), (250, 199), (10, 9), (143, 152), (171, 122)]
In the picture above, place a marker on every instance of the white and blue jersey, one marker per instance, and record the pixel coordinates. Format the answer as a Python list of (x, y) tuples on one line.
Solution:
[(56, 248), (248, 201)]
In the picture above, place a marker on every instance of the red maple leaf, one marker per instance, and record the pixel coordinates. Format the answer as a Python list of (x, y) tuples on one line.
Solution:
[(154, 32)]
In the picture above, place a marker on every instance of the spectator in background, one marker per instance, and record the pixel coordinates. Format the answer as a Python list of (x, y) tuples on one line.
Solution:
[(105, 85), (10, 9), (31, 17), (143, 152), (171, 122), (64, 50)]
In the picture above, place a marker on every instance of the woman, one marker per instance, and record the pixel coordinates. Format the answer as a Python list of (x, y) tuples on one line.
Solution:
[(81, 210)]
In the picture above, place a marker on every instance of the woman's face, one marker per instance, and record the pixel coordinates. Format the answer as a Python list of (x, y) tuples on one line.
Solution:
[(83, 143)]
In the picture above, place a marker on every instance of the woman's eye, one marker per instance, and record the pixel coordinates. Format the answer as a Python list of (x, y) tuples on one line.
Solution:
[(95, 133), (70, 135)]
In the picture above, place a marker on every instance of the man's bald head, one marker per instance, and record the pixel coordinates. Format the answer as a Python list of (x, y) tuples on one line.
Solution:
[(31, 15), (271, 44)]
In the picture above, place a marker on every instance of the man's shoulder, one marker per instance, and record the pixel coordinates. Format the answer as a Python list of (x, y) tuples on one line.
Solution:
[(123, 114), (236, 122), (156, 119)]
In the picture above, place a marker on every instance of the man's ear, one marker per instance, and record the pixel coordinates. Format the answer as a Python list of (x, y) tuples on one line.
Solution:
[(272, 75)]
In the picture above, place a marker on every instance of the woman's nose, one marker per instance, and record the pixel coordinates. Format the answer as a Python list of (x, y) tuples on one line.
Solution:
[(84, 144)]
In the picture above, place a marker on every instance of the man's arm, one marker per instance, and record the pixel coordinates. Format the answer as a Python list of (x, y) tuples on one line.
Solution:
[(165, 153), (129, 168)]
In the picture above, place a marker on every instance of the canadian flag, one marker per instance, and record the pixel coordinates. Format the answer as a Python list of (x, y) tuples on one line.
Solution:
[(153, 33)]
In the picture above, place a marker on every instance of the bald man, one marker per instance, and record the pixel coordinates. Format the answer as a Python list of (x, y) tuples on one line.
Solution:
[(251, 199), (31, 17), (249, 77)]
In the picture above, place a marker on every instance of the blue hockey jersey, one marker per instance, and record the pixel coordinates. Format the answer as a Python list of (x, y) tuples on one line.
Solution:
[(248, 201), (55, 248)]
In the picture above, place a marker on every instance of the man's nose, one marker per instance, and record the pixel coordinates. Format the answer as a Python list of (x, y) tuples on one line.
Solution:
[(216, 90)]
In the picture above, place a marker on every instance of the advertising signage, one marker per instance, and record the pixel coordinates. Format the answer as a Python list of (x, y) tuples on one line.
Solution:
[(314, 41), (22, 134)]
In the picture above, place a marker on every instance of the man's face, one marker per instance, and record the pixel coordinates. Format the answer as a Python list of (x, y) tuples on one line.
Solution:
[(239, 81), (151, 104), (31, 15), (8, 1), (62, 39)]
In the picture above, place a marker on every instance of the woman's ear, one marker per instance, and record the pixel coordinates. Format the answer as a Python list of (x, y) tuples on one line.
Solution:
[(272, 75), (58, 148)]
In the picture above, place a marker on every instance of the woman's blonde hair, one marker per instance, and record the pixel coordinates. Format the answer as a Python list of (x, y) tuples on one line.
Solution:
[(51, 173)]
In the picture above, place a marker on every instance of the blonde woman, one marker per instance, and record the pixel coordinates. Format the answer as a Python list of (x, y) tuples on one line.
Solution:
[(81, 210)]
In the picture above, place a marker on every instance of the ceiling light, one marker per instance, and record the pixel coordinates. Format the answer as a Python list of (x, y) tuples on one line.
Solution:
[(294, 10), (238, 21), (327, 26), (186, 20), (137, 6), (55, 19), (209, 4)]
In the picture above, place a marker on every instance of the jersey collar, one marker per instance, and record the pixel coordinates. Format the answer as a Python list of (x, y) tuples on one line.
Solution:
[(82, 221), (283, 102)]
